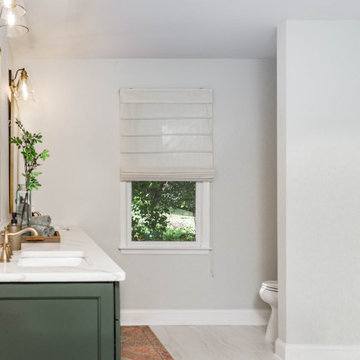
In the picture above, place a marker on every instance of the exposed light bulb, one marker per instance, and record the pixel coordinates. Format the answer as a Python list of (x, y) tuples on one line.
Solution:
[(24, 91), (11, 18), (8, 3)]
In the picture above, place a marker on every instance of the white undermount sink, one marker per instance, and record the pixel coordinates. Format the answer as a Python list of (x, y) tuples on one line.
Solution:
[(50, 258)]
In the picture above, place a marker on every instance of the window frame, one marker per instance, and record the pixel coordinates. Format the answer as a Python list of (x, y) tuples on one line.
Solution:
[(201, 245)]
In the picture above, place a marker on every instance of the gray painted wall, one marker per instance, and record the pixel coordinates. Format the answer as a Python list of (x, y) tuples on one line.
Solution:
[(77, 110)]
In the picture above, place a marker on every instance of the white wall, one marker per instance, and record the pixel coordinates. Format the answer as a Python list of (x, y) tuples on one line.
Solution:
[(319, 177), (77, 110)]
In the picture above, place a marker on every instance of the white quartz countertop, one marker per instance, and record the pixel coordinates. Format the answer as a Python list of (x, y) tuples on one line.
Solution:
[(96, 266)]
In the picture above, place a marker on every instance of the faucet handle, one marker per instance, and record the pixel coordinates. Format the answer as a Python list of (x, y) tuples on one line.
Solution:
[(5, 256)]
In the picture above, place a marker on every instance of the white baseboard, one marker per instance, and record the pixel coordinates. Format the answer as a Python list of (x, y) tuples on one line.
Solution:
[(316, 352), (194, 317)]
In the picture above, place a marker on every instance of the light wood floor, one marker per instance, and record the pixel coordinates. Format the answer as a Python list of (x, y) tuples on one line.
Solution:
[(215, 342)]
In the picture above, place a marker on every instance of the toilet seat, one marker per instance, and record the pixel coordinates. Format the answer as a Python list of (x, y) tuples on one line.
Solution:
[(270, 285)]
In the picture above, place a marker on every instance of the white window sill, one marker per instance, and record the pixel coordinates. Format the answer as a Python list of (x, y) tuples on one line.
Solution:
[(165, 251)]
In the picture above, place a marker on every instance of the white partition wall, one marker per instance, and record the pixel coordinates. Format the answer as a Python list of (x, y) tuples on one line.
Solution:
[(319, 190)]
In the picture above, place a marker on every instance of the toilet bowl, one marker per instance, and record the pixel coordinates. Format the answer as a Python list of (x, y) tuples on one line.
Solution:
[(269, 293)]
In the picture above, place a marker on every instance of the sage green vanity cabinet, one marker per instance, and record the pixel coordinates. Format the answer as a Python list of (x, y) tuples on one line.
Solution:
[(59, 321)]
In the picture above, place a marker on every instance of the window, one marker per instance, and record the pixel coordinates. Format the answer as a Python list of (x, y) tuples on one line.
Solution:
[(166, 158), (161, 216)]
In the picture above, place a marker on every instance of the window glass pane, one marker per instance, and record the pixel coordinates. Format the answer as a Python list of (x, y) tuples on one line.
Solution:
[(163, 211)]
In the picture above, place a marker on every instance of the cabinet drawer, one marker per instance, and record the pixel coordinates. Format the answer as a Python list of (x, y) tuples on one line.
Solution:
[(57, 321)]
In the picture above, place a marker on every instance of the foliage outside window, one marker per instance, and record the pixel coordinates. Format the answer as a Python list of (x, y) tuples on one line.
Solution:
[(163, 211)]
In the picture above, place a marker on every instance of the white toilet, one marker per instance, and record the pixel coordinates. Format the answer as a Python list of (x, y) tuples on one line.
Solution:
[(269, 293)]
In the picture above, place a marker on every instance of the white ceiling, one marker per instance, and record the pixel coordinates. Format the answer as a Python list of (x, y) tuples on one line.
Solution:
[(165, 28)]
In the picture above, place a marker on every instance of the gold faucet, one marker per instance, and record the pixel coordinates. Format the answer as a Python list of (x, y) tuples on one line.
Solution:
[(6, 251)]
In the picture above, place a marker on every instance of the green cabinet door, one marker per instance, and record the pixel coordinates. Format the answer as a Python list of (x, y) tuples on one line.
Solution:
[(58, 321)]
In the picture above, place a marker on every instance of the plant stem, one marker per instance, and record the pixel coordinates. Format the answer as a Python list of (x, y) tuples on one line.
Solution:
[(23, 209)]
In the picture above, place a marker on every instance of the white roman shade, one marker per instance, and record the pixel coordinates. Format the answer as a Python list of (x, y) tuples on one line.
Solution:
[(166, 134)]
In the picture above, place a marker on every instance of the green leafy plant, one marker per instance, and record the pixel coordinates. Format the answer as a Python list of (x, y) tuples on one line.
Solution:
[(26, 143)]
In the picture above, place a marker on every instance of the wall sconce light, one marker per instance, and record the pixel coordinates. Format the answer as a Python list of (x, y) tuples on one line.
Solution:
[(11, 17), (20, 89)]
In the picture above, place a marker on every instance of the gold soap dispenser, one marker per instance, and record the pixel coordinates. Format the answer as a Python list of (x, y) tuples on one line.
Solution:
[(15, 240)]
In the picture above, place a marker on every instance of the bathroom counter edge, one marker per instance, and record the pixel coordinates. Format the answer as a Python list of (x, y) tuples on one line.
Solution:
[(98, 267)]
